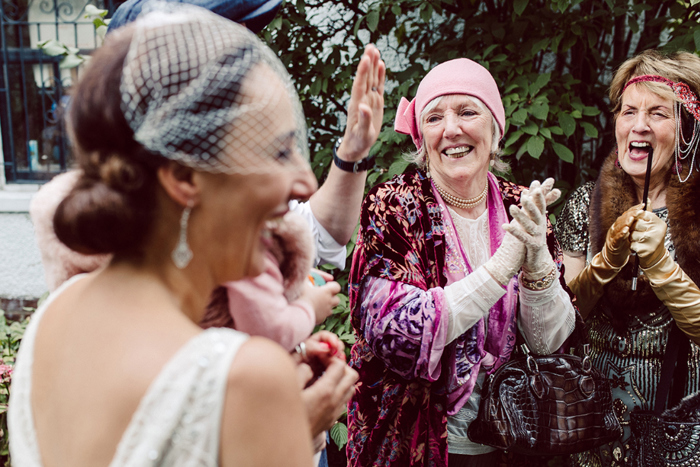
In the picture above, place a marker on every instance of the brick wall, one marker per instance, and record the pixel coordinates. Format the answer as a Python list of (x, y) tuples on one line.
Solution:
[(15, 307)]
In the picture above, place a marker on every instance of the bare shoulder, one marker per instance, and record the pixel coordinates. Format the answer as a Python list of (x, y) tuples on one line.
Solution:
[(258, 363), (263, 399)]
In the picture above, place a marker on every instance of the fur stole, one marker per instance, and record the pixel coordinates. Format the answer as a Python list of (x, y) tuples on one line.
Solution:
[(687, 411), (293, 248), (60, 262), (614, 193)]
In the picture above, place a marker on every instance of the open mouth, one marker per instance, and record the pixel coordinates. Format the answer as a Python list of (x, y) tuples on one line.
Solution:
[(269, 227), (639, 150), (458, 152)]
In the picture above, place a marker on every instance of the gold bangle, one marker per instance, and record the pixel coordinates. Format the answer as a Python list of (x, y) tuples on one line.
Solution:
[(541, 284)]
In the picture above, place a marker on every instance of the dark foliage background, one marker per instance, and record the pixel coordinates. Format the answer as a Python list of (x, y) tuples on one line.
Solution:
[(552, 59)]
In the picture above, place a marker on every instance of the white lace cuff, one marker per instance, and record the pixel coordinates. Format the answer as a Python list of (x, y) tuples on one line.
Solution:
[(547, 317)]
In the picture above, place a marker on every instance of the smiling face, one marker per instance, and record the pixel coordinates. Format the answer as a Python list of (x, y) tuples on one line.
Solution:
[(240, 206), (645, 121), (458, 136)]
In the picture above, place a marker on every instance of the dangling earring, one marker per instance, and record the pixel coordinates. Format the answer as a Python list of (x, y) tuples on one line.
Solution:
[(617, 159), (677, 168), (182, 255), (427, 166)]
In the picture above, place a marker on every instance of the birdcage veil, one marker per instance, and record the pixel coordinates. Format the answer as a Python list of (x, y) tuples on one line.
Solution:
[(204, 91)]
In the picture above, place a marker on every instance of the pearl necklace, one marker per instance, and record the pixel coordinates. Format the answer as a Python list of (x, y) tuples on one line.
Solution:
[(462, 203)]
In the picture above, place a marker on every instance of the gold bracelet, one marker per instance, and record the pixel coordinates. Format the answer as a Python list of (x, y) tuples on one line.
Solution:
[(541, 284)]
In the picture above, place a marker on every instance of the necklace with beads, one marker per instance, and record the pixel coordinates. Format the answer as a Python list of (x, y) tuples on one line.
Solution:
[(462, 203)]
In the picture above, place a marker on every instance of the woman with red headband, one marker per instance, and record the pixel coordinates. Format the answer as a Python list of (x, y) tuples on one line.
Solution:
[(436, 286), (656, 113)]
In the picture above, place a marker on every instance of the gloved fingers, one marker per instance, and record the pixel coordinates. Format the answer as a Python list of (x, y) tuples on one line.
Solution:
[(638, 247), (531, 209), (651, 225), (642, 226), (645, 216), (548, 185), (527, 191), (537, 196), (628, 218), (624, 222), (553, 196), (639, 236), (517, 232), (619, 237), (535, 188), (534, 184), (523, 220), (651, 218)]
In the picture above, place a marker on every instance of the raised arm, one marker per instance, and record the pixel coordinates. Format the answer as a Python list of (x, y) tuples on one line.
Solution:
[(336, 205)]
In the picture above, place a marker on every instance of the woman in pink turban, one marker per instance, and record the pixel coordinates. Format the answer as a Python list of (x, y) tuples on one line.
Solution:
[(450, 258)]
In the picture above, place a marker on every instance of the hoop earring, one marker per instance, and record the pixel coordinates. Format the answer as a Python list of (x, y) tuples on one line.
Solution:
[(182, 255)]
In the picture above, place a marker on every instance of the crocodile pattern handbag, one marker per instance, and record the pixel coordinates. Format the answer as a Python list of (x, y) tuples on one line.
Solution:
[(546, 405)]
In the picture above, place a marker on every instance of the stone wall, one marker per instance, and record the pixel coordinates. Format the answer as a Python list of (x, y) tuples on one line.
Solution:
[(21, 273)]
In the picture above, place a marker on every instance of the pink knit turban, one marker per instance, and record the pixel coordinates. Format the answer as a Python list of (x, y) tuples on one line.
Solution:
[(459, 76)]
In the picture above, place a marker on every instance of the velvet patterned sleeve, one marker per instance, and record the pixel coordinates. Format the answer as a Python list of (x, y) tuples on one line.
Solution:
[(405, 326)]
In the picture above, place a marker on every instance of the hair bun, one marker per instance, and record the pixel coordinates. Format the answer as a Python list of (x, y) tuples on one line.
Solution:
[(106, 214)]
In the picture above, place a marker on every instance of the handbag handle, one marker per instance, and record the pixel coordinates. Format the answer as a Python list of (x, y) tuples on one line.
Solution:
[(586, 364), (674, 370)]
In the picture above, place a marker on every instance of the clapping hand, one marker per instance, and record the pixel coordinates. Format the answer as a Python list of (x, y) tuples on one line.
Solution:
[(530, 227), (648, 238), (617, 240), (366, 107)]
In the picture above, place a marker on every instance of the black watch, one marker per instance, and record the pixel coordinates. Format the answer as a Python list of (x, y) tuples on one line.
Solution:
[(354, 167)]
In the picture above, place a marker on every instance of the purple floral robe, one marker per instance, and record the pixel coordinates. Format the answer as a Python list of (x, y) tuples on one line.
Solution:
[(398, 414)]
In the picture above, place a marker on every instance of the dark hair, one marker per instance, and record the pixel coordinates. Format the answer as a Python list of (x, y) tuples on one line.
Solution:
[(111, 207)]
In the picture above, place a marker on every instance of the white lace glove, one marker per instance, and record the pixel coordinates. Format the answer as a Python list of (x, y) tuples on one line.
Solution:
[(507, 260), (531, 227)]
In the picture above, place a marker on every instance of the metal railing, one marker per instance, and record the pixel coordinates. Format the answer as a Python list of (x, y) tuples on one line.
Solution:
[(33, 85)]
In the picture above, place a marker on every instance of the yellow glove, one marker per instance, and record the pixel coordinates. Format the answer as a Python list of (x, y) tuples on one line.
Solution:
[(588, 285), (678, 292), (648, 238)]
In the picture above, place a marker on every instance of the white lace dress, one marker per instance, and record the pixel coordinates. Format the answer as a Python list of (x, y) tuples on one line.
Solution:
[(178, 421)]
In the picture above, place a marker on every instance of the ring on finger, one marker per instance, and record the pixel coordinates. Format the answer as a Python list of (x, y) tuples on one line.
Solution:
[(374, 88), (301, 350)]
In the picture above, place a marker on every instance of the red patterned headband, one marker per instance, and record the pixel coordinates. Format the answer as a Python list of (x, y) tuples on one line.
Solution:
[(681, 90)]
